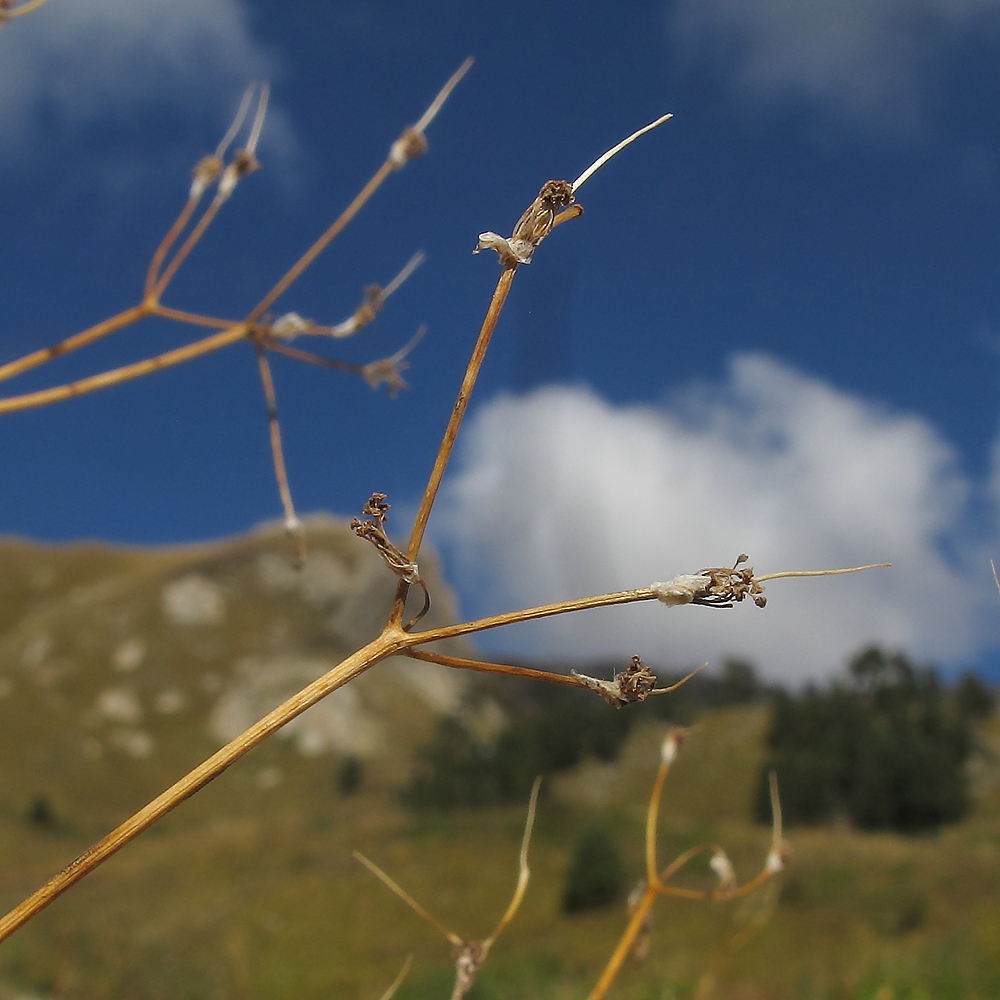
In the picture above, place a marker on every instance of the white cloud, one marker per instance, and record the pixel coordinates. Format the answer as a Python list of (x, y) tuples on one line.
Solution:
[(867, 60), (559, 495), (76, 62)]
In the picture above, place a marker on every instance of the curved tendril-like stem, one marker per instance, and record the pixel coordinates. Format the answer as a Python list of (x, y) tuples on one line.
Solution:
[(667, 754), (523, 871), (604, 157), (398, 981), (787, 574), (78, 340), (116, 376)]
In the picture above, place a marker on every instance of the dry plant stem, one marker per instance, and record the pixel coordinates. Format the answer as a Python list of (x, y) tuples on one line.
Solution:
[(188, 245), (460, 663), (78, 340), (116, 376), (292, 524), (500, 294), (195, 319), (624, 946), (321, 244), (398, 981), (310, 358), (166, 243), (528, 614), (996, 579), (387, 644), (395, 887), (25, 8)]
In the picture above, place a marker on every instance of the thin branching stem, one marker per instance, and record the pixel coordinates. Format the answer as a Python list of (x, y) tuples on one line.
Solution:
[(25, 8), (78, 340), (523, 871), (166, 243), (393, 885), (787, 574), (500, 294), (460, 663), (398, 981), (387, 644), (195, 319), (293, 273), (292, 523), (313, 359), (529, 614), (188, 245), (116, 376)]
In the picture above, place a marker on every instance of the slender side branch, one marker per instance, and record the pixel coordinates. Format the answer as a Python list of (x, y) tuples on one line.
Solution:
[(460, 663), (390, 883), (78, 340), (8, 13), (398, 981), (500, 294), (388, 643), (115, 376), (293, 526), (529, 614)]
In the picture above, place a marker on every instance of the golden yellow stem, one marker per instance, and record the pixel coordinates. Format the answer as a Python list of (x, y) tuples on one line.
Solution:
[(320, 245), (388, 643), (528, 614), (78, 340), (625, 943), (460, 663), (115, 376)]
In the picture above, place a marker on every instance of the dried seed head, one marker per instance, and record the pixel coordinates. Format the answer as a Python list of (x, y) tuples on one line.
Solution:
[(723, 867), (633, 685), (672, 742), (469, 957), (533, 226), (681, 589), (716, 587), (206, 172), (408, 146), (371, 306), (373, 531), (289, 326)]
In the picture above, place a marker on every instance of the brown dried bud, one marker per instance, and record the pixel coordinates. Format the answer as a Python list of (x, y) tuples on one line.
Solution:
[(410, 144)]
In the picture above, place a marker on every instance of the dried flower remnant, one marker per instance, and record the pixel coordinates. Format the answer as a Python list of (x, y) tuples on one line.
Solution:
[(389, 371), (469, 953), (534, 225), (630, 686), (374, 300), (718, 587), (374, 531)]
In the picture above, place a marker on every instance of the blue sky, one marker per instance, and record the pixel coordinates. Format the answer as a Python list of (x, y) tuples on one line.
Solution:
[(776, 328)]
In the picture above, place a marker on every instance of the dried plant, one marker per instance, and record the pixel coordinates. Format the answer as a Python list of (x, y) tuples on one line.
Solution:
[(470, 953), (215, 178)]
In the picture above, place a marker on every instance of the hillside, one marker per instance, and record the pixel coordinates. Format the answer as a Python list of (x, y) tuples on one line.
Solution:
[(119, 668)]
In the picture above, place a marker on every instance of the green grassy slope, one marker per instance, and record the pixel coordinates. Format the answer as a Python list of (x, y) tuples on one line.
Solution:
[(249, 889)]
